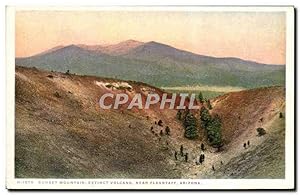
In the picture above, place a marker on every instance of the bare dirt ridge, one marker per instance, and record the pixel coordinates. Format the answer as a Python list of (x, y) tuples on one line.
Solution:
[(62, 133)]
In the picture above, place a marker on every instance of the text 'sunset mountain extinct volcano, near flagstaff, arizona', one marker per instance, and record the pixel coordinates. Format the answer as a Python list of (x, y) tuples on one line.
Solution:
[(61, 132)]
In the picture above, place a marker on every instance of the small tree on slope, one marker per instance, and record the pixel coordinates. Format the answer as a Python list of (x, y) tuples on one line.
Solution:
[(214, 132), (261, 131), (200, 96), (205, 117), (191, 131), (212, 126), (209, 105)]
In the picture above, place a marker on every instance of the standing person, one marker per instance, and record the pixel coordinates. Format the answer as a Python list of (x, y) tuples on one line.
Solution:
[(186, 157), (181, 150), (202, 147)]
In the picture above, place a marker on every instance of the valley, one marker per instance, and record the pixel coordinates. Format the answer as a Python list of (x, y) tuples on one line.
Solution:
[(61, 132)]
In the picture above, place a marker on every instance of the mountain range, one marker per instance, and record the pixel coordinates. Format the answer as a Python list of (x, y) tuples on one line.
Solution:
[(157, 64)]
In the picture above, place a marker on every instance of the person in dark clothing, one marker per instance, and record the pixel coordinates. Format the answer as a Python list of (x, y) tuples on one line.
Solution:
[(186, 157), (202, 147), (181, 150)]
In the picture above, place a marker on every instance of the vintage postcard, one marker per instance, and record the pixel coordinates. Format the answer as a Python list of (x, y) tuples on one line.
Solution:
[(149, 98)]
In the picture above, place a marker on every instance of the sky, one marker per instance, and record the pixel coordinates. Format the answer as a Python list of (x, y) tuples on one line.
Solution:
[(256, 36)]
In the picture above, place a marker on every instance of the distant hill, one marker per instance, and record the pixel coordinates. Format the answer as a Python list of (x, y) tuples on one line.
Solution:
[(157, 64)]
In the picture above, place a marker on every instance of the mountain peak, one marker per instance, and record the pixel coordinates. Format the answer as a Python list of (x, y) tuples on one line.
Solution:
[(157, 43), (97, 48), (154, 44), (51, 50), (131, 41), (122, 47), (128, 43), (72, 46), (59, 48)]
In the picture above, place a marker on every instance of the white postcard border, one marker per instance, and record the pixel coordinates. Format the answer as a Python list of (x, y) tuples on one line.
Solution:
[(212, 184)]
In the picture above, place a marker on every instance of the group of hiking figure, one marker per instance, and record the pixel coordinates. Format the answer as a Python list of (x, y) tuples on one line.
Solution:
[(182, 154), (162, 132), (246, 144), (201, 159)]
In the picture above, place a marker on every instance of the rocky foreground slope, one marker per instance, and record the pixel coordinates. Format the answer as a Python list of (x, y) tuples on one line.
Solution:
[(62, 133)]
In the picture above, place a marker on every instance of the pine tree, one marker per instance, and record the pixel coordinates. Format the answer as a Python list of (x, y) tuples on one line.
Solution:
[(214, 132), (261, 131), (212, 126), (200, 96), (205, 117), (191, 131), (209, 105)]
